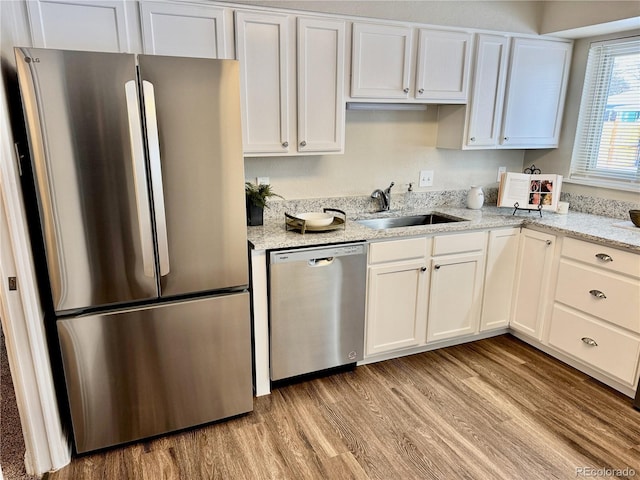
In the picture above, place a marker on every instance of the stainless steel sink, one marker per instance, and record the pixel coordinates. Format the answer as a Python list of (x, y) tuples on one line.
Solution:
[(408, 221)]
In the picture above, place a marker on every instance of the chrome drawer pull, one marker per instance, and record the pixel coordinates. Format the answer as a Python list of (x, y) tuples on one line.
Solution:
[(597, 294), (604, 257), (589, 341)]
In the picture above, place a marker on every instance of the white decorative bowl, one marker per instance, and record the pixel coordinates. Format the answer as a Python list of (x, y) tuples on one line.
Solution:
[(314, 219)]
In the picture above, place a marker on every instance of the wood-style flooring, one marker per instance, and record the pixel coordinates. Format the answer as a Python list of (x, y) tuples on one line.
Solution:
[(492, 409)]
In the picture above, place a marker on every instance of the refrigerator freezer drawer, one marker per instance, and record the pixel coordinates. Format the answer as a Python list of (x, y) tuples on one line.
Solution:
[(141, 373)]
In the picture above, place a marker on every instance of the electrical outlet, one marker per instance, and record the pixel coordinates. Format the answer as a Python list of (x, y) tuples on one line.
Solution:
[(262, 180), (501, 170), (426, 178)]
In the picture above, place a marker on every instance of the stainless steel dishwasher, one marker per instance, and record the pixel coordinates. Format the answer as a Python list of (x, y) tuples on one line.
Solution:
[(316, 308)]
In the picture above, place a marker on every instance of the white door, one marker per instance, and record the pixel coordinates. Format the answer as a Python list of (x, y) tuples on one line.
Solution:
[(443, 66), (502, 257), (261, 48), (186, 30), (381, 61), (455, 295), (532, 278), (94, 25), (535, 93), (396, 306), (487, 91), (321, 107)]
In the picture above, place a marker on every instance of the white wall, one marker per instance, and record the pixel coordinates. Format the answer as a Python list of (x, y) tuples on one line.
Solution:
[(559, 160), (383, 146), (558, 16)]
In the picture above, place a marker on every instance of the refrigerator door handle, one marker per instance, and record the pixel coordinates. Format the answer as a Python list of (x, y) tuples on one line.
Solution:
[(140, 178), (153, 143)]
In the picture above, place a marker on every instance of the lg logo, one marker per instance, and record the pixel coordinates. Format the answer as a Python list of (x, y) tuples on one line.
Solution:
[(34, 60)]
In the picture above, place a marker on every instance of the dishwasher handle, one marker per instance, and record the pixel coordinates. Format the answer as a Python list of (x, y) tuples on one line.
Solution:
[(320, 262)]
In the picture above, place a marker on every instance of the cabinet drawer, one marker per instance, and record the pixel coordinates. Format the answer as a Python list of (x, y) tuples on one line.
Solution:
[(612, 297), (608, 258), (460, 242), (615, 352), (398, 250)]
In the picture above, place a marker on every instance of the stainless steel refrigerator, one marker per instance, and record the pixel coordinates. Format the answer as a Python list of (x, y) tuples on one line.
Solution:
[(139, 176)]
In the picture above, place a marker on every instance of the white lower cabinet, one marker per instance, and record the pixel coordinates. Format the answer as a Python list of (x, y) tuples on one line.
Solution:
[(396, 295), (455, 294), (596, 314), (598, 344), (500, 273), (534, 273)]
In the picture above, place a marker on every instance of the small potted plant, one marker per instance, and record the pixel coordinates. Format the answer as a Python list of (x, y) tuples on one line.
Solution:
[(256, 196)]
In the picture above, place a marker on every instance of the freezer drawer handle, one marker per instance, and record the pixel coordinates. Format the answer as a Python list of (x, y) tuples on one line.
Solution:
[(589, 341), (320, 262), (153, 142), (140, 178), (597, 294)]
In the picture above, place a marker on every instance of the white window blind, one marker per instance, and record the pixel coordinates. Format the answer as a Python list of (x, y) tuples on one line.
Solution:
[(607, 147)]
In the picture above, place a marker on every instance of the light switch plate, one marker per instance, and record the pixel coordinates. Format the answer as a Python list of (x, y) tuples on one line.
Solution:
[(426, 178), (501, 170)]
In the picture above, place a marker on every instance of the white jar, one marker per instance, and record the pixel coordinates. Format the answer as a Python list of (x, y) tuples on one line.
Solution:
[(475, 198)]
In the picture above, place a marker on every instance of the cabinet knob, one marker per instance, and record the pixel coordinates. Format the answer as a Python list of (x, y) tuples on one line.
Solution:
[(473, 139), (506, 139), (604, 257), (548, 242), (597, 294), (406, 90), (423, 269), (589, 341), (437, 267), (303, 143), (285, 144), (421, 91)]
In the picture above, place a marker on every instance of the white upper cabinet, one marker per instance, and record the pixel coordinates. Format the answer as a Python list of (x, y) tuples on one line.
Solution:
[(444, 59), (485, 108), (534, 99), (381, 62), (186, 30), (517, 96), (292, 85), (95, 25), (320, 99), (385, 67), (262, 47)]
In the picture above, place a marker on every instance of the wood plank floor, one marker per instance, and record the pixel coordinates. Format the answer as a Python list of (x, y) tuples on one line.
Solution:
[(492, 409)]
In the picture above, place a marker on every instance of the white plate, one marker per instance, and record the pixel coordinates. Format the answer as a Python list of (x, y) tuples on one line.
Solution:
[(314, 219)]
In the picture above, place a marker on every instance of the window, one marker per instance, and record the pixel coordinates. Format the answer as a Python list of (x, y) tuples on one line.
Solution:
[(606, 152)]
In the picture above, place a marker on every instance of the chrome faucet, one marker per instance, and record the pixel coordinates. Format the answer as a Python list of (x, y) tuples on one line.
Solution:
[(384, 197)]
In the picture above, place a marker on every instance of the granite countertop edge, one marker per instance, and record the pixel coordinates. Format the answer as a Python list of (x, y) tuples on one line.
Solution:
[(594, 228)]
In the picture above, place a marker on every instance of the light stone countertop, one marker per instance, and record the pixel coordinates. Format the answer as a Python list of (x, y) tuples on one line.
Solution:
[(583, 226)]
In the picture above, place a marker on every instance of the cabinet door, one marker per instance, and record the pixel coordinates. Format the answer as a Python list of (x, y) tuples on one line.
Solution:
[(321, 108), (535, 93), (487, 91), (381, 61), (455, 295), (396, 306), (533, 274), (443, 66), (185, 30), (94, 25), (502, 257), (261, 48)]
